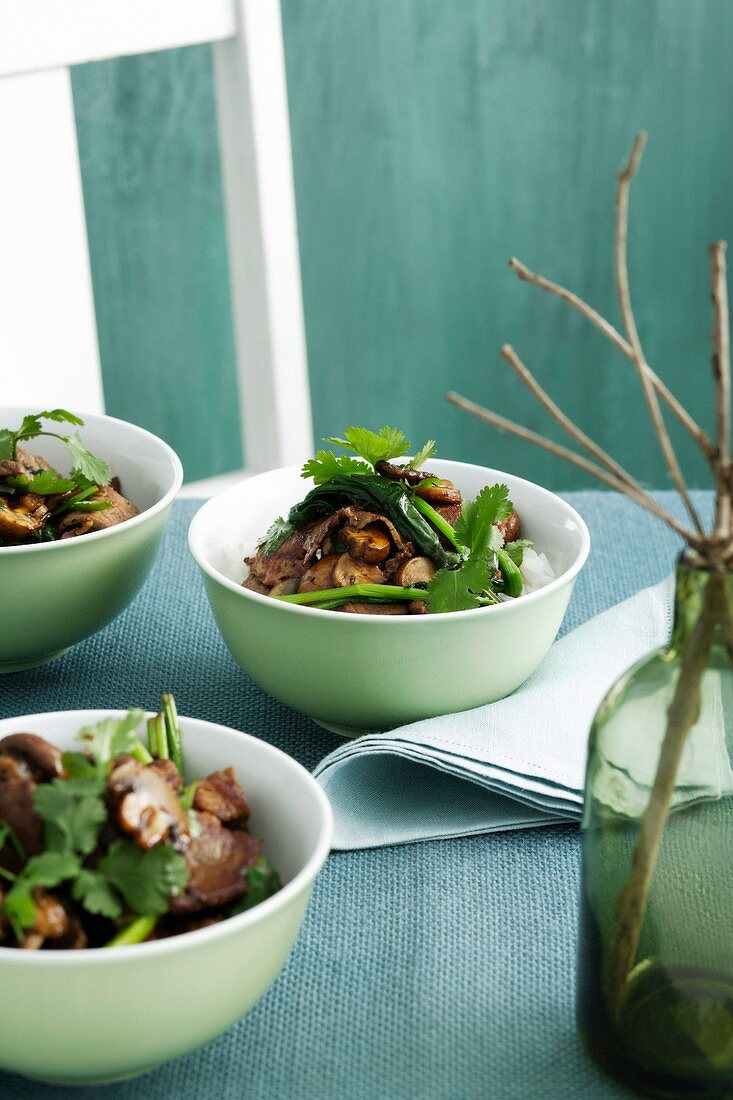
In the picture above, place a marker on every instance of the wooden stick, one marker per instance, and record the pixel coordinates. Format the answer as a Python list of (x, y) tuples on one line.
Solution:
[(576, 433), (721, 373), (625, 177), (611, 333), (641, 498)]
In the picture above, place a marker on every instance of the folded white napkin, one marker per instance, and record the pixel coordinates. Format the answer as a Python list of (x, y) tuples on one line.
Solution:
[(507, 765)]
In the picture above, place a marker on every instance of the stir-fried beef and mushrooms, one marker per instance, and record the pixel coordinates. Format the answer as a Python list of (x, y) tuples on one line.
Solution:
[(379, 538), (109, 846), (37, 504)]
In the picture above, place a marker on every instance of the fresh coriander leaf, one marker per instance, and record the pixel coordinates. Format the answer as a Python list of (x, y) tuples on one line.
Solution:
[(73, 810), (112, 737), (7, 443), (47, 869), (422, 456), (475, 527), (146, 880), (78, 766), (375, 447), (262, 882), (516, 549), (84, 463), (96, 894), (327, 465), (44, 484), (61, 416), (457, 589), (278, 531)]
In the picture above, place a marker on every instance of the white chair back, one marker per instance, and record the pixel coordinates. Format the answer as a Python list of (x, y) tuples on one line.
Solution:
[(49, 353)]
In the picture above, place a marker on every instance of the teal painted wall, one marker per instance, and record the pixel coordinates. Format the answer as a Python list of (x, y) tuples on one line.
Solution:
[(432, 139)]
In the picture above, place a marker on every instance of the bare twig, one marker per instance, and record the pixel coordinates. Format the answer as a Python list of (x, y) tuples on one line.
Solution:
[(721, 373), (684, 711), (625, 177), (640, 497), (564, 421), (614, 336)]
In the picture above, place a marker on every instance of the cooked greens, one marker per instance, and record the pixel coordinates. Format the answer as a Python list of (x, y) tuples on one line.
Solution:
[(329, 551)]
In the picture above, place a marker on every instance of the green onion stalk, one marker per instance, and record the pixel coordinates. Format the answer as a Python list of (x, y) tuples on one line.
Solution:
[(382, 592), (136, 931)]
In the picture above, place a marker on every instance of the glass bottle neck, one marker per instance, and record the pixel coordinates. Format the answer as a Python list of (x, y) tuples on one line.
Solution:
[(690, 587)]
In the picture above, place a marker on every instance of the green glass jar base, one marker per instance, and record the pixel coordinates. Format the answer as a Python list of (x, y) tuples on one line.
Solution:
[(674, 1038)]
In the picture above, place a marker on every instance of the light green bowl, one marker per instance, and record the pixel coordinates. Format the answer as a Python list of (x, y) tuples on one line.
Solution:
[(88, 1017), (54, 594), (357, 672)]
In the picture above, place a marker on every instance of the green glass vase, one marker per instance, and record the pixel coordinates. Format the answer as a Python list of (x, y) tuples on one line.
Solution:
[(655, 989)]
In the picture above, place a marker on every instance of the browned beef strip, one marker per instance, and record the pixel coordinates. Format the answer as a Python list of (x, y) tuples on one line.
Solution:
[(10, 468), (374, 608), (217, 859), (511, 528), (287, 560), (32, 464), (220, 794), (169, 773), (75, 523)]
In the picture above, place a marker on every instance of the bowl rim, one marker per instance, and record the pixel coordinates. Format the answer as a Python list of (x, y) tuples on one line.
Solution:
[(198, 523), (259, 913), (170, 494)]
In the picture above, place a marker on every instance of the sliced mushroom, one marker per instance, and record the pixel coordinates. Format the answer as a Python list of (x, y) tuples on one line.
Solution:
[(415, 571), (16, 810), (42, 759), (371, 544), (441, 493), (144, 804), (220, 794), (217, 859), (346, 571), (286, 587), (318, 576), (401, 473), (51, 921), (23, 518), (254, 585)]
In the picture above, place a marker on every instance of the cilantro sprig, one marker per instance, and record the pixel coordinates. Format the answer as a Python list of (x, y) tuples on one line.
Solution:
[(126, 878), (84, 465), (369, 448)]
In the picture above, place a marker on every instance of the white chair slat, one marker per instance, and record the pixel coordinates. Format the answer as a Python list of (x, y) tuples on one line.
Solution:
[(45, 34), (48, 336), (263, 239)]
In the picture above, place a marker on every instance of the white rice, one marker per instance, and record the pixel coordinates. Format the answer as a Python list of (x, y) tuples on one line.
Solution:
[(536, 570)]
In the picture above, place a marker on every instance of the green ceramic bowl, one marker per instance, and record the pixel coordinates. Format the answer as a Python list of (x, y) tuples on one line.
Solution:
[(88, 1017), (355, 672), (55, 594)]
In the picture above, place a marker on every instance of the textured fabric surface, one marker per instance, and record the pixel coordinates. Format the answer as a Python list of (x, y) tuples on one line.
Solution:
[(435, 971), (525, 753)]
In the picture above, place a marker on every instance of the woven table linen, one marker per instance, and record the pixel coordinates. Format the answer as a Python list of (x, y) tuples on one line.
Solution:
[(435, 971)]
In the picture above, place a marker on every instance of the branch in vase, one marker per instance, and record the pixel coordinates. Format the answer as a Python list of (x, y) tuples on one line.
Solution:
[(614, 336), (625, 177), (721, 374), (641, 498)]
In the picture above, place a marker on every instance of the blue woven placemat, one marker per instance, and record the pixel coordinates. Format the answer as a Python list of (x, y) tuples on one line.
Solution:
[(438, 971)]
